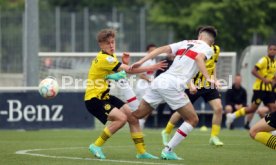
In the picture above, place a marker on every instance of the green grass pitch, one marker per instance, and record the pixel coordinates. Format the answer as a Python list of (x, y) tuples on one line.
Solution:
[(70, 147)]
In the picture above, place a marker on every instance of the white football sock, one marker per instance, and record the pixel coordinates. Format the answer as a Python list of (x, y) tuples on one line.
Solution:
[(179, 135)]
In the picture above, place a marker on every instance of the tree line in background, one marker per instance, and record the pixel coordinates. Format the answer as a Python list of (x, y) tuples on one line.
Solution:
[(240, 22)]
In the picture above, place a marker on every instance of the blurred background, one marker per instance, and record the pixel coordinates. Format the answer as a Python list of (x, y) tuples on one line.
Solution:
[(28, 27)]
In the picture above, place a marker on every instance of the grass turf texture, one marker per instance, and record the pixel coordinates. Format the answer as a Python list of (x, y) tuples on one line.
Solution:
[(71, 147)]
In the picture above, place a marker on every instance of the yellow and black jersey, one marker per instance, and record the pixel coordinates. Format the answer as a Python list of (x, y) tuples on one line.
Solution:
[(199, 80), (97, 86), (267, 69)]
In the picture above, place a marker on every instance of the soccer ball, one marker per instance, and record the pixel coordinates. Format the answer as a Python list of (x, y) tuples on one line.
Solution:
[(48, 88)]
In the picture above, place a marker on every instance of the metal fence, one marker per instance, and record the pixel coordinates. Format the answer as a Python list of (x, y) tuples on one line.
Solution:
[(11, 44), (75, 31)]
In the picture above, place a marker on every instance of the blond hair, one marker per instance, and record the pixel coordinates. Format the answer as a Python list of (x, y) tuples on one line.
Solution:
[(104, 34)]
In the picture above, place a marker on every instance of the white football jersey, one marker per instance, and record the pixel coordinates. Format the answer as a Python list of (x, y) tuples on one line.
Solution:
[(184, 66), (149, 74)]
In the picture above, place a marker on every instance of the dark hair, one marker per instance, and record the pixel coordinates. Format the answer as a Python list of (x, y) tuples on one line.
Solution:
[(104, 34), (209, 29), (272, 41), (150, 46)]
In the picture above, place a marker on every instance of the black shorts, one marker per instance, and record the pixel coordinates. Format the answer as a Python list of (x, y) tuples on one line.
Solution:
[(101, 108), (271, 119), (207, 94), (263, 96)]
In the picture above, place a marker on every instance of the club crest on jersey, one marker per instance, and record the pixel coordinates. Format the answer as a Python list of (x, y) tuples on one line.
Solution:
[(110, 59), (107, 107)]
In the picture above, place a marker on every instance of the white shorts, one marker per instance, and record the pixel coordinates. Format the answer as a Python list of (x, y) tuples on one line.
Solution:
[(164, 89), (141, 87)]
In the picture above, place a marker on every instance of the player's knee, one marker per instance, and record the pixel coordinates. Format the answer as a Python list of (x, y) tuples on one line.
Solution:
[(123, 119), (218, 109), (143, 110), (261, 113), (119, 121), (132, 120), (228, 109), (252, 133), (194, 120)]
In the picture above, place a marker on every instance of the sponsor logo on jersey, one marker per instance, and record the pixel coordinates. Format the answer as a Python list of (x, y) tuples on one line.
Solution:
[(110, 59)]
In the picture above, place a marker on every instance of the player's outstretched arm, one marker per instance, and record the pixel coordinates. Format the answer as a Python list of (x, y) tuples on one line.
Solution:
[(122, 74), (160, 65), (164, 49)]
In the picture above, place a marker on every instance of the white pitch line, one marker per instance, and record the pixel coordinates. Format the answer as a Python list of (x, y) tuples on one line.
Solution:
[(27, 152)]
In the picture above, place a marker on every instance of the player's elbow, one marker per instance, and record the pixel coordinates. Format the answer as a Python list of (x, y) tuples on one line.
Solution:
[(254, 71)]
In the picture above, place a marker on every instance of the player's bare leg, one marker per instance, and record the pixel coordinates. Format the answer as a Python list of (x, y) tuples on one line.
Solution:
[(230, 117), (261, 133), (188, 113), (136, 134), (118, 120), (143, 110), (216, 122), (262, 111)]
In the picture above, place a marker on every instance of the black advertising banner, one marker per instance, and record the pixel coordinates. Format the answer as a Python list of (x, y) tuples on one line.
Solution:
[(28, 110)]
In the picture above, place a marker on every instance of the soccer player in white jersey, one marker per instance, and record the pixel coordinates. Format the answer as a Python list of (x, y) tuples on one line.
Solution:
[(169, 86), (144, 81)]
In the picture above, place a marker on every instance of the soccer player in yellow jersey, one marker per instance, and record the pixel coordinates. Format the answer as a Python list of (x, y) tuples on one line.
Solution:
[(263, 111), (106, 107), (264, 71), (201, 88), (261, 131)]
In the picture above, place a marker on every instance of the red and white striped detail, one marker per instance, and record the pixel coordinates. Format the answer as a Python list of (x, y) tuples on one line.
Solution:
[(132, 99), (181, 133), (191, 54)]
